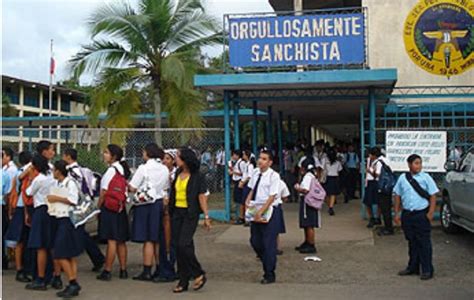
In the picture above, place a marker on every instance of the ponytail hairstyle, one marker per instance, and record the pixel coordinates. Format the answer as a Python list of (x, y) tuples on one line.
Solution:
[(309, 165), (251, 157), (40, 163), (117, 154)]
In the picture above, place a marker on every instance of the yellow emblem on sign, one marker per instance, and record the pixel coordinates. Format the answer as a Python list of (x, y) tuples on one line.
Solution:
[(439, 36)]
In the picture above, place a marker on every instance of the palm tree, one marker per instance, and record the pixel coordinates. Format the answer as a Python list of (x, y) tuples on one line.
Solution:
[(155, 48)]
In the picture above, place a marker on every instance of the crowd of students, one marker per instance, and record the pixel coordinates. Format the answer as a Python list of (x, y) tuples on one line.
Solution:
[(169, 194)]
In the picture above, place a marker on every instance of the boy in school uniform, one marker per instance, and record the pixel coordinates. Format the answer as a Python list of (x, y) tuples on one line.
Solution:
[(265, 186), (93, 251), (416, 191), (236, 170)]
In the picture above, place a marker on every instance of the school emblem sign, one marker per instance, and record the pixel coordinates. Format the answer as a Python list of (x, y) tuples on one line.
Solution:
[(439, 36)]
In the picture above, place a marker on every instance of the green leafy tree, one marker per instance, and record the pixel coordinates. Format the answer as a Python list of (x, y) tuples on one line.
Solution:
[(7, 109), (153, 47)]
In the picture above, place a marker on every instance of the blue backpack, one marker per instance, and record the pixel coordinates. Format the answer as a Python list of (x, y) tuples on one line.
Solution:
[(387, 180)]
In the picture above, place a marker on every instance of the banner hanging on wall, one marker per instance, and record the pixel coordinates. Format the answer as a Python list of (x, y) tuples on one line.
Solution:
[(326, 39), (430, 145)]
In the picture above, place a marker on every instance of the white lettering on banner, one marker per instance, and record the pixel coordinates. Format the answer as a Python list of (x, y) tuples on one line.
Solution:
[(296, 52), (296, 28), (430, 145)]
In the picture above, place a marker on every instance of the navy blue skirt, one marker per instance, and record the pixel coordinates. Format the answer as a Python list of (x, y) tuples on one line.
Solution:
[(113, 226), (309, 216), (238, 193), (332, 186), (245, 193), (17, 230), (41, 233), (67, 241), (371, 193), (146, 222), (282, 222)]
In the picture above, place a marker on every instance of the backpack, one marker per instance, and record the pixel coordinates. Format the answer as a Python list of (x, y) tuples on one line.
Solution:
[(87, 181), (84, 210), (387, 180), (316, 195), (25, 183), (115, 196)]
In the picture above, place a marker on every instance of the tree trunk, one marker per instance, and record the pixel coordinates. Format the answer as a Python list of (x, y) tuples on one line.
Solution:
[(157, 104)]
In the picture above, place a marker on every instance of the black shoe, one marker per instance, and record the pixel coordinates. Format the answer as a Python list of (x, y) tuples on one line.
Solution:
[(408, 272), (123, 274), (239, 222), (371, 223), (98, 267), (57, 283), (279, 252), (304, 244), (426, 276), (158, 279), (22, 277), (384, 231), (104, 276), (36, 286), (69, 292), (377, 221), (267, 281), (143, 277), (310, 249), (331, 211)]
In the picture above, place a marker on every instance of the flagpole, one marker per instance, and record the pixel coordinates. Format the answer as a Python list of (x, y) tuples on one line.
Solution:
[(51, 72)]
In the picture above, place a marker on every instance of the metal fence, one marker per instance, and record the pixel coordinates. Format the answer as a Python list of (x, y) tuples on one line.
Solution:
[(90, 144)]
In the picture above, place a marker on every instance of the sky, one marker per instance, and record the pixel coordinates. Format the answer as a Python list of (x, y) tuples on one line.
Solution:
[(29, 25)]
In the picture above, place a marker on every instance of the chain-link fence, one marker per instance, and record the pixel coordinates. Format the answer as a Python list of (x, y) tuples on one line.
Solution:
[(90, 144)]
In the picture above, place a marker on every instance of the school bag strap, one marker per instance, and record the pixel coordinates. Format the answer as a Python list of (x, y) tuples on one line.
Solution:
[(416, 186)]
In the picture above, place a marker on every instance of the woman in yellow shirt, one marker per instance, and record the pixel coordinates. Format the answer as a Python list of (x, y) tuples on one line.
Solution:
[(187, 201)]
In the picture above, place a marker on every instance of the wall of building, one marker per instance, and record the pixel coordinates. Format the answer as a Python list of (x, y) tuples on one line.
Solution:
[(386, 19)]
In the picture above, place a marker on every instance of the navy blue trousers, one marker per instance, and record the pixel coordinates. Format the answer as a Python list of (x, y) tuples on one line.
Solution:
[(417, 229), (263, 238), (167, 260), (93, 251)]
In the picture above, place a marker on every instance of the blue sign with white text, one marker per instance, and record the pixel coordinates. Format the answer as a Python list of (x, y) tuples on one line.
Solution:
[(297, 40)]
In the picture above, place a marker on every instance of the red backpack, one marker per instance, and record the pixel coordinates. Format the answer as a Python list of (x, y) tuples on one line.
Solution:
[(115, 196)]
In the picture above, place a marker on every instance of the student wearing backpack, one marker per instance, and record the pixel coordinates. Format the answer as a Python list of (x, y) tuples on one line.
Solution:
[(309, 217), (113, 220), (265, 187), (416, 191), (93, 251), (151, 183), (371, 197), (67, 243), (41, 231), (18, 231)]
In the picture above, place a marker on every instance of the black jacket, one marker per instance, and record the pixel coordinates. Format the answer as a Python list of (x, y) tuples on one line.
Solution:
[(196, 185)]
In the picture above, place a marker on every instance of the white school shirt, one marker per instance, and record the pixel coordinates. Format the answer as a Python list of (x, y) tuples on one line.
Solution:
[(109, 174), (39, 189), (375, 165), (306, 181), (269, 185), (72, 189), (11, 169), (333, 169), (248, 171), (220, 158), (155, 174), (238, 167), (283, 193)]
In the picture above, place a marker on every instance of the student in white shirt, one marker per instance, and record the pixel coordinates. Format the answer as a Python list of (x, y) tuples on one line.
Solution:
[(249, 166), (332, 185), (67, 240), (113, 226), (8, 164), (282, 197), (265, 186), (150, 182), (309, 217), (236, 170), (373, 170), (40, 237)]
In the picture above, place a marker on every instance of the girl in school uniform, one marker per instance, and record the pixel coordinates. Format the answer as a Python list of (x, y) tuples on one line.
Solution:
[(310, 217), (374, 168), (332, 186), (67, 240), (18, 231), (113, 226), (151, 178), (41, 232)]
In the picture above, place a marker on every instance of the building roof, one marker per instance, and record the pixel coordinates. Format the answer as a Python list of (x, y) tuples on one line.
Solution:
[(39, 85)]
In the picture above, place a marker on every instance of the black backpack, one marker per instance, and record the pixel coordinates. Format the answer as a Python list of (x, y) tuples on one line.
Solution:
[(387, 180)]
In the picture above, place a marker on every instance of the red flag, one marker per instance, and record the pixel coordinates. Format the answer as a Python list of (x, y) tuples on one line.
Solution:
[(52, 66)]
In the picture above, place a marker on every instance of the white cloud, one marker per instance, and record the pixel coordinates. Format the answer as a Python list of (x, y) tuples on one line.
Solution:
[(29, 25)]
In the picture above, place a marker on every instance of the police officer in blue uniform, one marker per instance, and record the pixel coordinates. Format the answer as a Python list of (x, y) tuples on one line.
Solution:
[(417, 192)]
